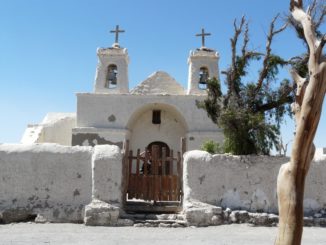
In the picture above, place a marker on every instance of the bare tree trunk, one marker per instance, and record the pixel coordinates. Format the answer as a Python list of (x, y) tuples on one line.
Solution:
[(308, 106)]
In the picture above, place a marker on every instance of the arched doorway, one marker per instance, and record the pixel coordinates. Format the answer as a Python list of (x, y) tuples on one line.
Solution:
[(161, 145), (154, 179), (163, 150), (156, 122)]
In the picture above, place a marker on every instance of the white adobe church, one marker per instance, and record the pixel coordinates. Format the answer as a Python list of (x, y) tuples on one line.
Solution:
[(158, 110), (56, 183)]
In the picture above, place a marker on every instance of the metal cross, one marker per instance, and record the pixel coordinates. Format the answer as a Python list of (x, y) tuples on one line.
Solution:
[(203, 34), (117, 31)]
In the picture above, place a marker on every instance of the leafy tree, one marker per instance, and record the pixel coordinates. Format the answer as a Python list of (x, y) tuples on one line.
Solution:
[(211, 147), (250, 113)]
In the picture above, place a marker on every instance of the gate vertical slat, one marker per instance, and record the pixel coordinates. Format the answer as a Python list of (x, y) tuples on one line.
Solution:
[(163, 174), (146, 183), (155, 171), (131, 179), (125, 170), (146, 162), (138, 184), (162, 189), (164, 167), (178, 191), (183, 150), (170, 176)]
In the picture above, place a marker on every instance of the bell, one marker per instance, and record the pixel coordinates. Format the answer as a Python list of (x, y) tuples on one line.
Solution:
[(114, 81), (203, 78), (112, 77)]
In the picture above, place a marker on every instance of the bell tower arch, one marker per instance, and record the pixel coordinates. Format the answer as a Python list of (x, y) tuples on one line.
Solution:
[(203, 64), (112, 68)]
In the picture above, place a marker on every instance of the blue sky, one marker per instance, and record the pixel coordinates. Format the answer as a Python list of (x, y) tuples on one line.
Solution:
[(48, 48)]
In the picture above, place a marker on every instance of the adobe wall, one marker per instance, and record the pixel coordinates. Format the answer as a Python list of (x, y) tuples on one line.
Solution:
[(55, 182), (245, 182)]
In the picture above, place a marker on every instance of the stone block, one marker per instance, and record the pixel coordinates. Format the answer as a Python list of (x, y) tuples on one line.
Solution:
[(239, 216), (99, 213), (125, 222), (40, 219), (203, 217)]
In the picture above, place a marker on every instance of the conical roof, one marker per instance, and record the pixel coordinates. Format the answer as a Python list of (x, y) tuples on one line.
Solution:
[(159, 82)]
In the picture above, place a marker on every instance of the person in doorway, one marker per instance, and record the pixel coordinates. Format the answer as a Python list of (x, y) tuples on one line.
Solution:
[(149, 162)]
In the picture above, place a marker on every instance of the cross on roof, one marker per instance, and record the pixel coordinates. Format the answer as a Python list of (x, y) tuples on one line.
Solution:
[(203, 34), (117, 31)]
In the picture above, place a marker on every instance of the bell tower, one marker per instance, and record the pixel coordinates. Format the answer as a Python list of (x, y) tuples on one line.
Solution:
[(112, 68), (203, 64)]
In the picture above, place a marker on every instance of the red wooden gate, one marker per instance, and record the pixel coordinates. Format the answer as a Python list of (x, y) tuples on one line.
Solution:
[(154, 175)]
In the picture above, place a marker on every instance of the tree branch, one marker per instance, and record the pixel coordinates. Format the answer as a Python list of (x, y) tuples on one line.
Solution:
[(312, 7), (264, 72), (321, 17), (232, 72), (300, 81), (234, 40), (320, 47), (274, 104), (245, 40)]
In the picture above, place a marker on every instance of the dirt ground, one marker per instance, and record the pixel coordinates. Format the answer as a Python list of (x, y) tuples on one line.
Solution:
[(53, 234)]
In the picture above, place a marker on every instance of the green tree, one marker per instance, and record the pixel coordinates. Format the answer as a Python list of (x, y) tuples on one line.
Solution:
[(250, 113), (211, 147)]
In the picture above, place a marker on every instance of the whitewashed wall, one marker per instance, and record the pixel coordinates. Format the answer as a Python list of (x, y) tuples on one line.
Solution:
[(102, 115), (56, 182), (170, 131), (246, 182), (55, 128), (51, 180)]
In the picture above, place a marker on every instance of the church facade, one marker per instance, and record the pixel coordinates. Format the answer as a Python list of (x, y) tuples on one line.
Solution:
[(159, 109)]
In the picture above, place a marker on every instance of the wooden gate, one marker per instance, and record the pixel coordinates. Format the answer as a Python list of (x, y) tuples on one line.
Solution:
[(153, 175)]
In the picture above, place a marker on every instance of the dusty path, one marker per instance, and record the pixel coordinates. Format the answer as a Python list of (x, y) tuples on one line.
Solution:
[(72, 234)]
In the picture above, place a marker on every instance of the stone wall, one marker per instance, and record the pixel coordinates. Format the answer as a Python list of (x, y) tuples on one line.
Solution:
[(55, 182), (245, 182), (49, 180)]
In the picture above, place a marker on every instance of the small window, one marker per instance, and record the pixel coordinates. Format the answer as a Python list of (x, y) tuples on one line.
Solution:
[(203, 77), (156, 119), (111, 78)]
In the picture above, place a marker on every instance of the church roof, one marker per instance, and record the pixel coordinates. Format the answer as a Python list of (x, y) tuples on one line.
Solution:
[(159, 82)]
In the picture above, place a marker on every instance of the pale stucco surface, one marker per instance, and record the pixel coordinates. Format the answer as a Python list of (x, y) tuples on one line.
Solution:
[(107, 57), (107, 174), (245, 182), (46, 179), (201, 58), (111, 116), (56, 182), (55, 128), (95, 110)]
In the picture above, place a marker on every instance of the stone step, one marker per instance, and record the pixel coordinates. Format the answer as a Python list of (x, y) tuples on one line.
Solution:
[(155, 220), (144, 216), (160, 223)]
